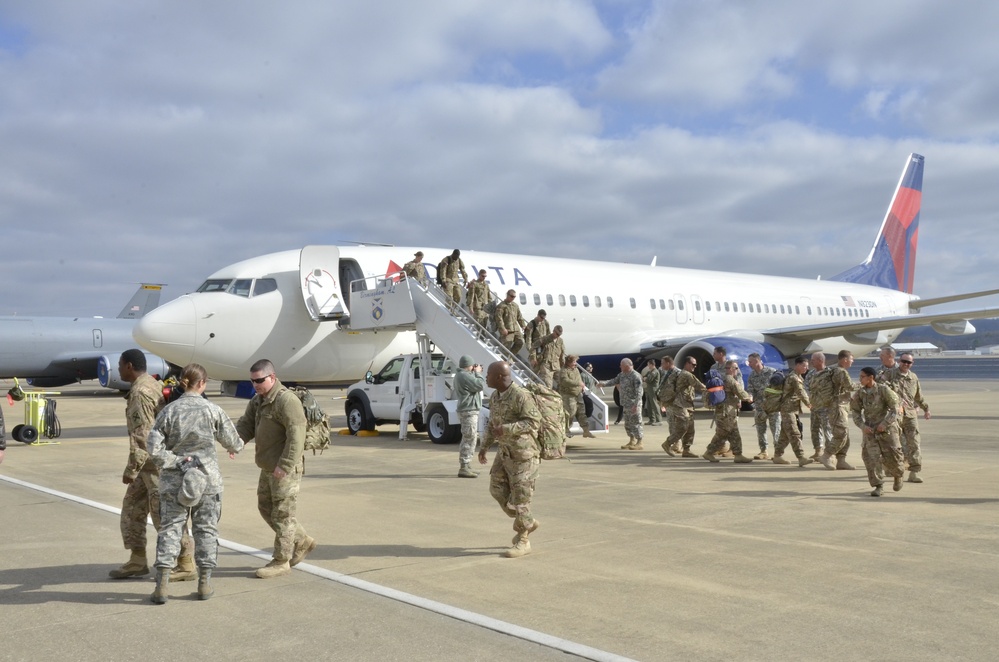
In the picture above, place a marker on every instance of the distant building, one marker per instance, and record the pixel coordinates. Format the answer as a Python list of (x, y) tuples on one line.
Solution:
[(917, 348), (989, 350)]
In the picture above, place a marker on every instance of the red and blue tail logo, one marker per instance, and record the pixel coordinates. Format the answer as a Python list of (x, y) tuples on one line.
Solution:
[(892, 262)]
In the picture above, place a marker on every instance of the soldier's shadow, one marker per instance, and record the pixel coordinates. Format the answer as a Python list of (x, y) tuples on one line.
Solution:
[(341, 552), (32, 586)]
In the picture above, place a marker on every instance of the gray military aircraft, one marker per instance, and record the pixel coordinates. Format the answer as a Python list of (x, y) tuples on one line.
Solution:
[(55, 351)]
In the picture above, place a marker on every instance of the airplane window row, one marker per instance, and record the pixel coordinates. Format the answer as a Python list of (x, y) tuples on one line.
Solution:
[(718, 306), (241, 287)]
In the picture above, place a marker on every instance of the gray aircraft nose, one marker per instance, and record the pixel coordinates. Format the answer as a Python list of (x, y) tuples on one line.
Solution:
[(169, 331)]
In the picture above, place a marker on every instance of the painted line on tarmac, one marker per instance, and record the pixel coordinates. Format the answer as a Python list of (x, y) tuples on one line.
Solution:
[(526, 634)]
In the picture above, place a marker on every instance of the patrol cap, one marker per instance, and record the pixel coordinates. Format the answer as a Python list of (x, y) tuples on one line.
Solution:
[(418, 254), (192, 487)]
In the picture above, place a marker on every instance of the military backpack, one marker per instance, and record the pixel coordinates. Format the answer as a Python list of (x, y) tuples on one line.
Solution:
[(773, 395), (716, 388), (551, 435), (820, 389), (667, 389), (317, 424)]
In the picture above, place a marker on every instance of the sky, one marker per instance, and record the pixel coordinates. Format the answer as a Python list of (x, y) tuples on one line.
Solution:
[(159, 141)]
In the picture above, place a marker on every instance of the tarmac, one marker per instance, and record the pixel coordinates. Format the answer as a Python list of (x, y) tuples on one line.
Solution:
[(639, 556)]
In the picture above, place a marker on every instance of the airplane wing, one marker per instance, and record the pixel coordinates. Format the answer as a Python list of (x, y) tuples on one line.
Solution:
[(918, 304), (956, 320)]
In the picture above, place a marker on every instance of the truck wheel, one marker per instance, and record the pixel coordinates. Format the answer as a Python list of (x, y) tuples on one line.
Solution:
[(15, 433), (416, 421), (438, 429), (29, 434), (357, 419)]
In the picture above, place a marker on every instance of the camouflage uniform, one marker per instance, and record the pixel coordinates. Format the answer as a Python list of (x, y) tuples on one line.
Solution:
[(650, 384), (515, 467), (630, 384), (681, 410), (534, 333), (477, 299), (842, 390), (416, 270), (142, 497), (664, 377), (792, 399), (906, 387), (569, 384), (468, 387), (756, 385), (190, 427), (820, 391), (510, 325), (727, 418), (447, 274), (276, 422), (881, 451), (552, 358), (720, 367)]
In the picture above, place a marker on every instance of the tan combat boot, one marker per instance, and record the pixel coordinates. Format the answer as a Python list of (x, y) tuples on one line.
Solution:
[(303, 549), (135, 567), (159, 595), (184, 571), (762, 455), (805, 461), (687, 453), (628, 446), (779, 459), (841, 463), (465, 471), (897, 485), (914, 477), (742, 459), (709, 456), (637, 446), (205, 589), (826, 460), (274, 569)]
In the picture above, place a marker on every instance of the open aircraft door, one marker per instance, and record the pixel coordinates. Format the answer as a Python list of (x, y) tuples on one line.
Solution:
[(319, 267)]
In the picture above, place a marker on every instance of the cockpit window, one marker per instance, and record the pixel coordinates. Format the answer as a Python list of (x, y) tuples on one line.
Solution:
[(215, 285), (263, 286), (241, 287)]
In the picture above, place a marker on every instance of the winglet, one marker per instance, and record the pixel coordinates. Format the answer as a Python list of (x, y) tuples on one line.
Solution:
[(145, 299), (892, 261)]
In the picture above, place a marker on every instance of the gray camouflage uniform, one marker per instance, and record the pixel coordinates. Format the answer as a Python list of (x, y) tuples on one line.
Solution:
[(756, 385), (632, 392), (190, 427)]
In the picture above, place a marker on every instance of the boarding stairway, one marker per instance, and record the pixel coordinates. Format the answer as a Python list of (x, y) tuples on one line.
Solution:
[(402, 304)]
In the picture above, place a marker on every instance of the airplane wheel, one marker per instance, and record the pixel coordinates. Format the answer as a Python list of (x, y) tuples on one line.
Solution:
[(15, 433), (357, 419), (29, 434), (439, 430)]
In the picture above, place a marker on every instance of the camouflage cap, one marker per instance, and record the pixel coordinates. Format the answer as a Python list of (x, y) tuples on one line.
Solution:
[(192, 488)]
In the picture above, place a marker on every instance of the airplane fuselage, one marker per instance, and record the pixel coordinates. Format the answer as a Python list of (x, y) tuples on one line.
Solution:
[(608, 311)]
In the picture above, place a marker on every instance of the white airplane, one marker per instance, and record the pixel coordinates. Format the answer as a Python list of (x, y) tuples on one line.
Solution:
[(55, 351), (290, 306)]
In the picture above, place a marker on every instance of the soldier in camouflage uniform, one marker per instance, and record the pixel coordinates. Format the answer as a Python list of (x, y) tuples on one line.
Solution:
[(142, 496), (447, 275), (630, 385), (721, 356), (818, 383), (791, 400), (569, 384), (759, 379), (842, 391), (536, 331), (906, 386), (875, 411), (468, 384), (727, 418), (650, 384), (667, 372), (514, 422), (888, 369), (415, 269), (510, 323), (552, 356), (275, 420), (186, 430), (478, 297), (681, 411)]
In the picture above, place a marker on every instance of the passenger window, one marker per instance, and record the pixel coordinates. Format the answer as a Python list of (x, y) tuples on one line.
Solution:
[(662, 304), (632, 300), (672, 306), (586, 301), (391, 371), (537, 299), (523, 299), (797, 311), (572, 300), (766, 308), (610, 302), (652, 304), (679, 304), (726, 307), (263, 286), (596, 301), (561, 299), (549, 300), (697, 305), (757, 307), (782, 309), (707, 306)]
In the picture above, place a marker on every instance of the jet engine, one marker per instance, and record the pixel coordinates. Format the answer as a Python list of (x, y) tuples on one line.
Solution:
[(107, 370)]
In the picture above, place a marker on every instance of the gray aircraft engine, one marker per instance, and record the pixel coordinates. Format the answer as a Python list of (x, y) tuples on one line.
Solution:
[(107, 370)]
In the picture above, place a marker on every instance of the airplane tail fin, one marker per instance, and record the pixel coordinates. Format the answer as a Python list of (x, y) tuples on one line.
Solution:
[(892, 261), (145, 299)]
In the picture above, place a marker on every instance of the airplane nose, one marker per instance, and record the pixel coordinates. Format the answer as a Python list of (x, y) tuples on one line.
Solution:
[(169, 331)]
